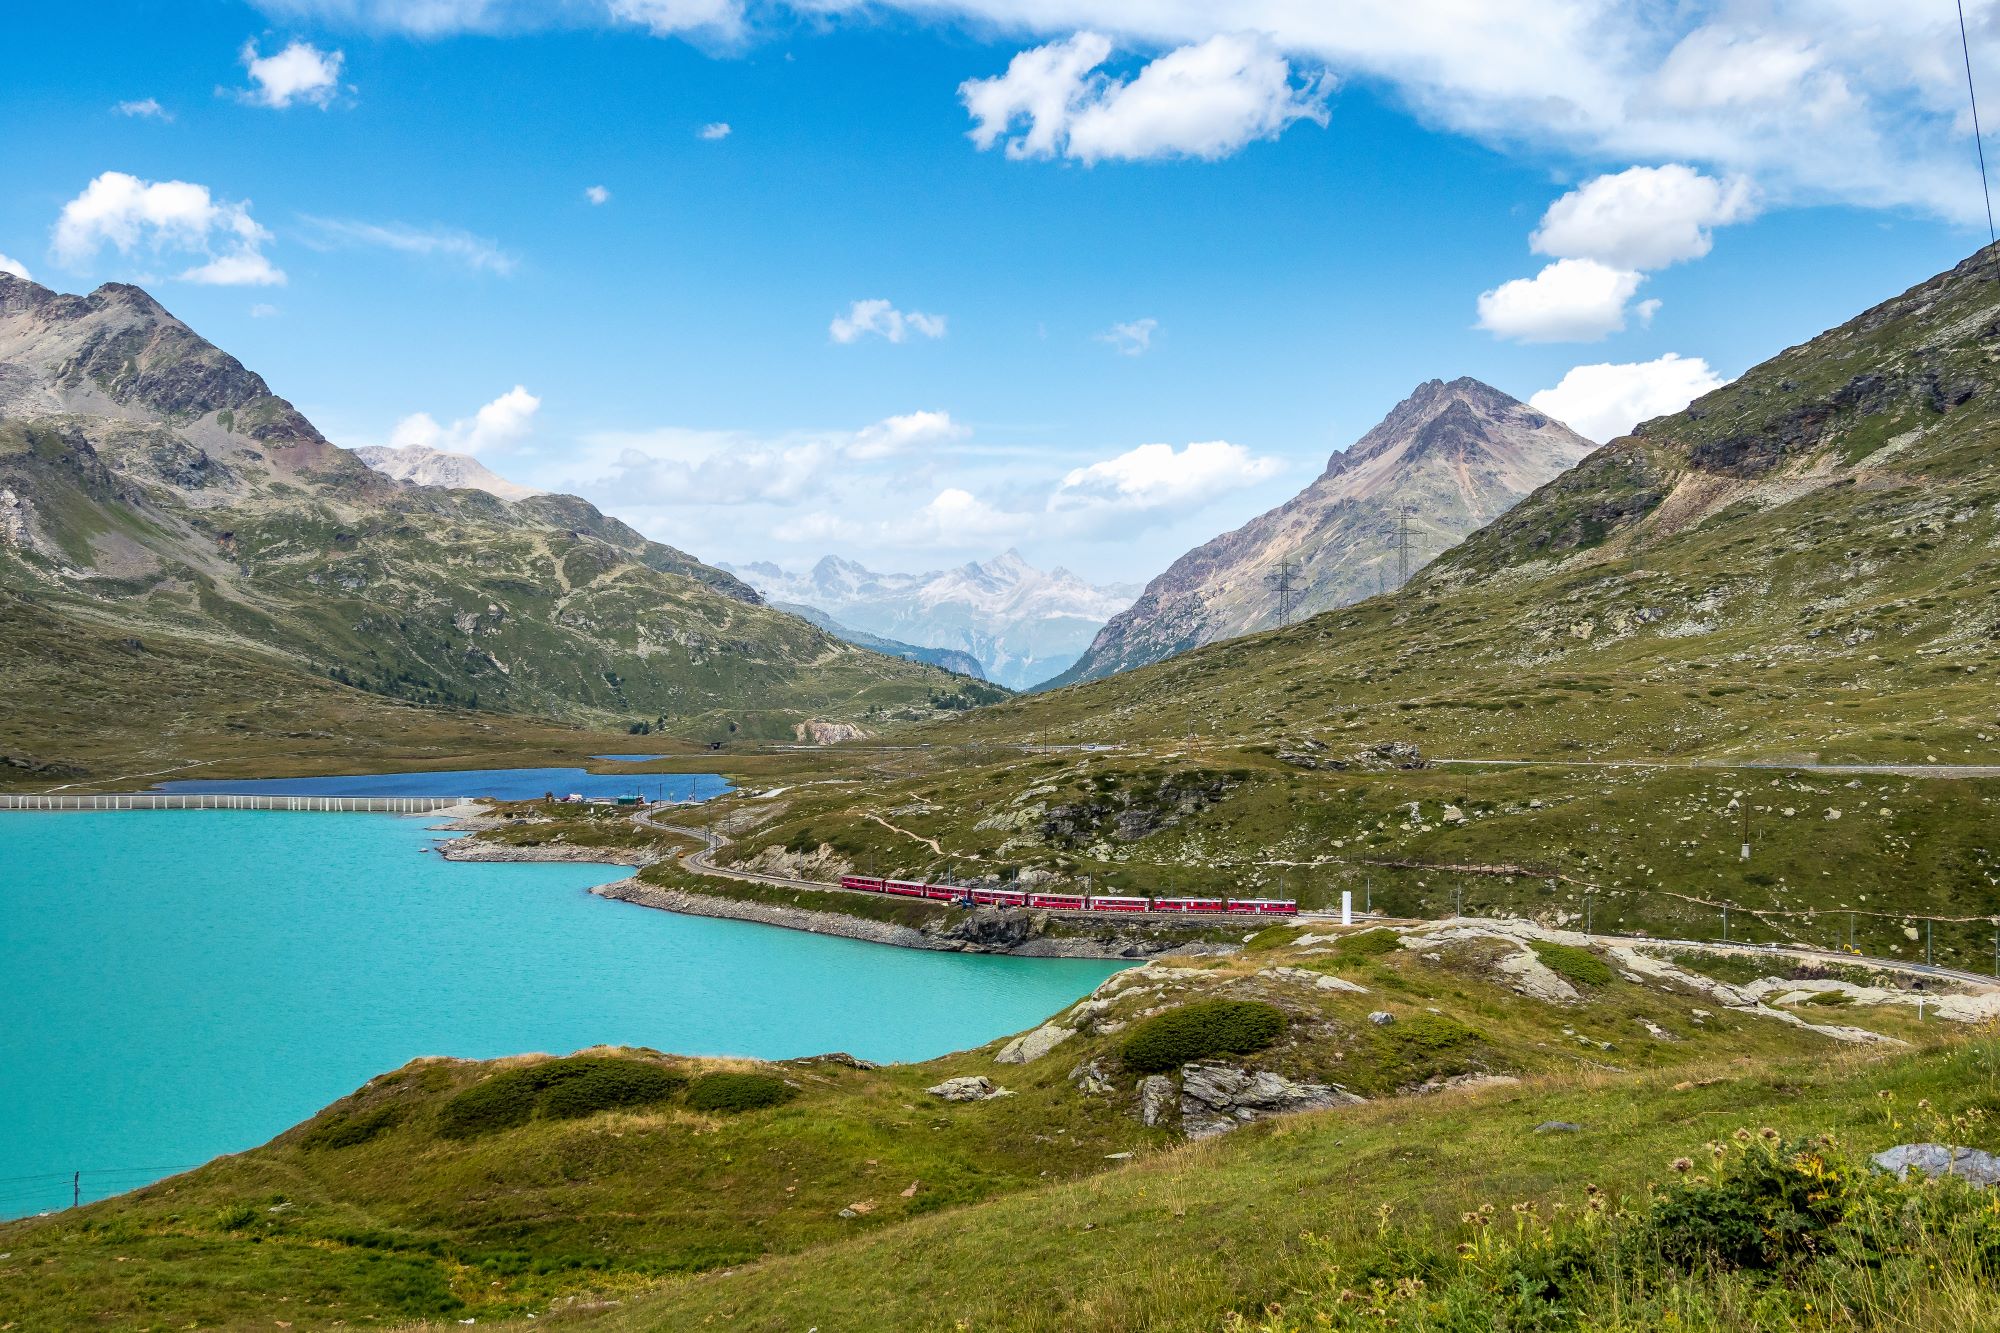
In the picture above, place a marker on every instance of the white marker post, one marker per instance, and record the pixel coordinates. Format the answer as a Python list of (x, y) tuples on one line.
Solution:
[(1346, 907)]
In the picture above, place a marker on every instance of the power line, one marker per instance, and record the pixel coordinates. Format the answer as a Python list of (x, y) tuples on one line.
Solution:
[(1978, 140), (1280, 581)]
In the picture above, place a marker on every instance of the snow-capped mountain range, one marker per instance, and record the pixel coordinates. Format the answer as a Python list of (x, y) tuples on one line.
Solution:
[(1023, 624)]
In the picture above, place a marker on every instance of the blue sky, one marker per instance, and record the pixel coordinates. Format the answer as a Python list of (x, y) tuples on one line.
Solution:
[(1210, 245)]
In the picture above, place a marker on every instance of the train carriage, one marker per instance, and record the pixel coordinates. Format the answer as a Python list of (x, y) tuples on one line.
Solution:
[(862, 882), (999, 897), (1195, 905), (1263, 907), (1060, 902), (1119, 904), (905, 888)]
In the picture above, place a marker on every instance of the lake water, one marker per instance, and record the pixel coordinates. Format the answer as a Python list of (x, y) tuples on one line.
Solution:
[(177, 984), (502, 784)]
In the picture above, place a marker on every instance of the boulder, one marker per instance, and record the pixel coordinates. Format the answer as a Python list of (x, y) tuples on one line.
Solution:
[(1156, 1098), (1937, 1159), (1034, 1045), (1381, 1018), (1317, 980), (968, 1088), (1090, 1077), (1216, 1098)]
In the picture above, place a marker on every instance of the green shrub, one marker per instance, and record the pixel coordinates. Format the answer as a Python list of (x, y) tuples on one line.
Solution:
[(579, 1085), (1432, 1034), (610, 1086), (1199, 1030), (1368, 944), (348, 1131), (1579, 967), (738, 1092), (1271, 937)]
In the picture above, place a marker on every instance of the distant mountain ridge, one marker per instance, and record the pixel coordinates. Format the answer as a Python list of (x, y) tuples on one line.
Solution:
[(1022, 624), (159, 503), (421, 465), (951, 659), (1457, 454)]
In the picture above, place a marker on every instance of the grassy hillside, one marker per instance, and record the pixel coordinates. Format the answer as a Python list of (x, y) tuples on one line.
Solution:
[(456, 1190)]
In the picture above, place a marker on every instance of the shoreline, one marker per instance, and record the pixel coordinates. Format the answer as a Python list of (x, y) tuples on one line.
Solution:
[(982, 931)]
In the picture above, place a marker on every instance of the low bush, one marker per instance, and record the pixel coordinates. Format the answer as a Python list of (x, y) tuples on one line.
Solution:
[(349, 1131), (579, 1085), (1271, 937), (1368, 944), (1579, 967), (728, 1093), (1200, 1030)]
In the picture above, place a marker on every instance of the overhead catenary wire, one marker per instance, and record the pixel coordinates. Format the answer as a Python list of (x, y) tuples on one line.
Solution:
[(1978, 139)]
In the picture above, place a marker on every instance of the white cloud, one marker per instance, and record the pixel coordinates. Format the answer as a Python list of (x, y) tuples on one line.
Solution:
[(1157, 476), (474, 252), (15, 267), (715, 129), (1643, 217), (264, 310), (299, 73), (1854, 101), (902, 434), (669, 18), (1134, 338), (700, 469), (1204, 100), (1602, 402), (884, 320), (1571, 300), (958, 518), (501, 424), (146, 108), (165, 217), (597, 194)]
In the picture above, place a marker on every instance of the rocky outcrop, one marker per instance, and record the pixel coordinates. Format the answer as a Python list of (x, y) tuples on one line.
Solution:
[(1455, 455), (1216, 1098), (421, 465), (968, 1088), (1156, 1099), (827, 733), (1938, 1159), (1034, 1045)]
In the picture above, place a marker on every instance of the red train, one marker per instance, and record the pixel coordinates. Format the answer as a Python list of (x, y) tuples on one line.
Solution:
[(1073, 902)]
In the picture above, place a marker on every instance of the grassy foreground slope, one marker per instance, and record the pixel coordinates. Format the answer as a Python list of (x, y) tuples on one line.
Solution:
[(458, 1189)]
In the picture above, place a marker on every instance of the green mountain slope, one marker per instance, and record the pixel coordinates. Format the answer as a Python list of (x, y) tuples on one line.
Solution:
[(154, 489)]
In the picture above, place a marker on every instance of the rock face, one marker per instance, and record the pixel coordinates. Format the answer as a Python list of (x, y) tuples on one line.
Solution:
[(1216, 1098), (421, 465), (1937, 1159), (1034, 1045), (1156, 1098), (1457, 454), (1021, 624), (969, 1088)]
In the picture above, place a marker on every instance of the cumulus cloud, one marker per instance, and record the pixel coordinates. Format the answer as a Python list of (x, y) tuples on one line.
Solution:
[(715, 129), (1160, 477), (264, 310), (1204, 100), (499, 425), (670, 18), (1571, 300), (165, 218), (1643, 217), (146, 108), (597, 194), (15, 267), (1817, 100), (1134, 338), (904, 434), (884, 321), (447, 243), (1602, 402), (301, 72), (956, 517)]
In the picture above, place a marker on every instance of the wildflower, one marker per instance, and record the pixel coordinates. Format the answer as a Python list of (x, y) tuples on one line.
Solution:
[(1741, 1136), (1683, 1165), (1466, 1249), (1768, 1134)]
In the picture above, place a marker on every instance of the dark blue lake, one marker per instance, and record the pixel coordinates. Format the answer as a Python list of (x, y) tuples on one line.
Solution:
[(503, 784)]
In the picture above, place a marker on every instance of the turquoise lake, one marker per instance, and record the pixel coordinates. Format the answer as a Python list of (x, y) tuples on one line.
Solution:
[(178, 984)]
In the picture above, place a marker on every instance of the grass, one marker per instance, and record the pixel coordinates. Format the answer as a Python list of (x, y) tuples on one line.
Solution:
[(381, 1210)]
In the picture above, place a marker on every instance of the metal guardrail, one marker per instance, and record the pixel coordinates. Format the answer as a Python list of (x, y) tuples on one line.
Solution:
[(396, 805)]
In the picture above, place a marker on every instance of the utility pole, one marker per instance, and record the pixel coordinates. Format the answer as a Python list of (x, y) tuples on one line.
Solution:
[(1928, 923), (76, 1189), (1589, 901), (1850, 938), (1280, 581), (1725, 924)]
